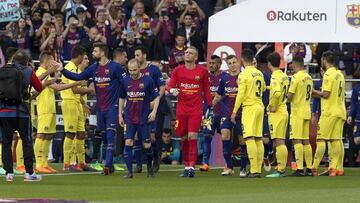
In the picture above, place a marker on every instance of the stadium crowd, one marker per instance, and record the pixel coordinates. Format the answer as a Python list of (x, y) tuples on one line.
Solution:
[(131, 33)]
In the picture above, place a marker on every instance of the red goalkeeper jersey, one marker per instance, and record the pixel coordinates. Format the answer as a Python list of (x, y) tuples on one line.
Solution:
[(192, 85)]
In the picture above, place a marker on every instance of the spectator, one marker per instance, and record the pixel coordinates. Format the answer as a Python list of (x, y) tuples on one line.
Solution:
[(345, 52), (23, 30), (72, 36), (51, 45), (193, 37), (163, 27), (177, 55), (70, 7), (296, 49), (88, 42), (195, 11), (118, 16), (24, 9), (84, 20), (173, 9), (129, 42), (48, 25), (103, 28), (170, 149), (140, 23)]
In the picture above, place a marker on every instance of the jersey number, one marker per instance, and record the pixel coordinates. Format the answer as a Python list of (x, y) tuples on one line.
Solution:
[(308, 92), (285, 90), (259, 92)]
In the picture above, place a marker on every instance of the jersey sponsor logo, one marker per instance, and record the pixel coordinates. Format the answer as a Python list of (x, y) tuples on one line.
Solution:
[(189, 86), (214, 88), (136, 94), (102, 79), (231, 89)]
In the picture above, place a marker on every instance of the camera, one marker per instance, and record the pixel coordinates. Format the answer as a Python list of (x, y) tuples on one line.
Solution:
[(164, 13)]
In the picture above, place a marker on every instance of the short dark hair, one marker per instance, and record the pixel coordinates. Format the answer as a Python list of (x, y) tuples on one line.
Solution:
[(10, 51), (44, 55), (21, 57), (142, 49), (102, 47), (118, 51), (215, 57), (167, 130), (298, 60), (189, 14), (231, 56), (77, 51), (274, 59), (247, 55), (72, 16), (330, 57)]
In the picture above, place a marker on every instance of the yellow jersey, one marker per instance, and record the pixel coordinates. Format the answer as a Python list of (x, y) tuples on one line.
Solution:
[(334, 83), (279, 85), (301, 86), (45, 101), (251, 85), (68, 93)]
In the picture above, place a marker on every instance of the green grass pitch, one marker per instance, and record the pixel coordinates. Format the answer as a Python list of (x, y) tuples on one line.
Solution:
[(169, 187)]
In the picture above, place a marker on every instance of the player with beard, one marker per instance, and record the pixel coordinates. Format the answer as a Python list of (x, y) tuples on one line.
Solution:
[(107, 76)]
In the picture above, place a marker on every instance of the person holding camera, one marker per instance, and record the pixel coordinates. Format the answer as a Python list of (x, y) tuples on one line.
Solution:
[(72, 36), (163, 27)]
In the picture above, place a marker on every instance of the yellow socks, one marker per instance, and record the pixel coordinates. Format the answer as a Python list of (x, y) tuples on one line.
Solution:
[(260, 154), (334, 151), (19, 153), (46, 148), (299, 155), (67, 150), (340, 164), (308, 155), (320, 150), (252, 154), (38, 150), (281, 156), (80, 150)]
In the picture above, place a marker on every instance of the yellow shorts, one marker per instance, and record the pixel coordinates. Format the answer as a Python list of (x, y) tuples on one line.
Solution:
[(73, 116), (299, 128), (46, 123), (330, 128), (252, 121), (278, 124)]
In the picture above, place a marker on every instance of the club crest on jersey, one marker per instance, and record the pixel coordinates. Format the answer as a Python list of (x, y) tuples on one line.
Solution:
[(141, 85), (353, 15), (147, 73), (46, 128), (107, 71), (197, 78)]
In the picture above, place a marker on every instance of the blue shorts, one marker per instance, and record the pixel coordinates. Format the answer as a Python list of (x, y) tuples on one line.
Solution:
[(142, 130), (357, 129), (107, 120), (227, 124), (266, 130), (215, 127)]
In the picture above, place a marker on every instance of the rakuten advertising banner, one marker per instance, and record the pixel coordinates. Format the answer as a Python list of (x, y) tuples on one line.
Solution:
[(283, 21)]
